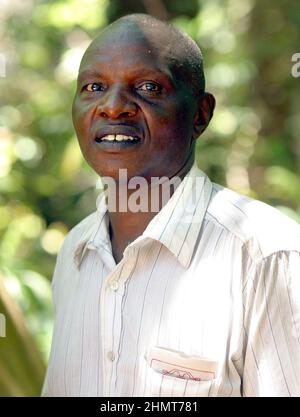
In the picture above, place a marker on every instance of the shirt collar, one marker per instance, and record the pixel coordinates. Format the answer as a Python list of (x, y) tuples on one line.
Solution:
[(176, 225)]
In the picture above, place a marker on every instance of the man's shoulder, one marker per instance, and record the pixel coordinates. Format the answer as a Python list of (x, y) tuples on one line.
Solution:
[(264, 229)]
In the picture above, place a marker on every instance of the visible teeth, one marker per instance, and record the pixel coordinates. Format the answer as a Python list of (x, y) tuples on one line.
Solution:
[(117, 138), (109, 137), (123, 137)]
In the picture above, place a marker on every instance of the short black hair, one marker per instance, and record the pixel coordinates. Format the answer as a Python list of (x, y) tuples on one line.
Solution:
[(188, 60)]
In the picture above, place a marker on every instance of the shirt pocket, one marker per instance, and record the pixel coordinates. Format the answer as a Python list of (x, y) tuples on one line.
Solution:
[(174, 374), (159, 384)]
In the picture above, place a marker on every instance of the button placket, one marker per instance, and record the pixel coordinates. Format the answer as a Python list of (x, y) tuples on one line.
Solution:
[(108, 309), (111, 313), (116, 280), (113, 291)]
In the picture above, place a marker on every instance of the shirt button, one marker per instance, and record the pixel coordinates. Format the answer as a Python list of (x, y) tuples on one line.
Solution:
[(114, 285), (111, 356)]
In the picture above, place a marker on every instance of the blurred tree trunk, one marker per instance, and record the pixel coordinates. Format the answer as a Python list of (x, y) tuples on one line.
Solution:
[(162, 9), (21, 365)]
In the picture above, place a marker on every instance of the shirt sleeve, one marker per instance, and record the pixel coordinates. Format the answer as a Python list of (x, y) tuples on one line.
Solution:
[(272, 327), (63, 262)]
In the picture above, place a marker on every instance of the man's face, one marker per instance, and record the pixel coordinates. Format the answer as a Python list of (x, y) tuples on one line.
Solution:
[(126, 88)]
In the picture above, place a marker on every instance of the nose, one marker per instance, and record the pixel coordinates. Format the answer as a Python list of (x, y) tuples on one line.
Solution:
[(116, 104)]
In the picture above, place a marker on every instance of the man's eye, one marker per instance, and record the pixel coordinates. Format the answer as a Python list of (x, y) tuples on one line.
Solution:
[(93, 87), (150, 87)]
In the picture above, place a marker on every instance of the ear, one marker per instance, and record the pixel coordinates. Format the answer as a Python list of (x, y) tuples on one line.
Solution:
[(205, 110)]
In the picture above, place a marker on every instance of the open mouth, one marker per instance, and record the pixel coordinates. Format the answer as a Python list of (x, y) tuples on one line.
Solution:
[(118, 139)]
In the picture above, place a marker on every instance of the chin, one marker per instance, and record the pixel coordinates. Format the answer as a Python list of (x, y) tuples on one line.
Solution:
[(113, 171)]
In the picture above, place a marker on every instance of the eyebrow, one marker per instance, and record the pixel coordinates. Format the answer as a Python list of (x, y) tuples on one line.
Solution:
[(88, 73), (141, 72)]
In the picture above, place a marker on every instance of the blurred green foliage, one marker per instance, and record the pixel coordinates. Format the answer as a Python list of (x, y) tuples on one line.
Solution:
[(252, 145)]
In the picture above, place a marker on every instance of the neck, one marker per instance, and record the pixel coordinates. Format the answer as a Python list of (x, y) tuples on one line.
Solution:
[(126, 225)]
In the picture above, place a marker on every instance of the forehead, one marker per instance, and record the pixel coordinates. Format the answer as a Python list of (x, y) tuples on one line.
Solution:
[(126, 48)]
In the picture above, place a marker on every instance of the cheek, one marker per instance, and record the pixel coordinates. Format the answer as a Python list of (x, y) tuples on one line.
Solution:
[(174, 112), (81, 114), (173, 124)]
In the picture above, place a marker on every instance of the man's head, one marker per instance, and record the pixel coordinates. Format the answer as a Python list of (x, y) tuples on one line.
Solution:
[(143, 79)]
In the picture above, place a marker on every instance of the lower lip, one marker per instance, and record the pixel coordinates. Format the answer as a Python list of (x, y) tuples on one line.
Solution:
[(116, 146)]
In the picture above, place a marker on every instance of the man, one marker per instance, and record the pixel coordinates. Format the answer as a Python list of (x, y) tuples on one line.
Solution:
[(199, 297)]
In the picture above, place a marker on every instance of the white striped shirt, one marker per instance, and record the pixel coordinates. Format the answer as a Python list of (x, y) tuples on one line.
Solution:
[(215, 275)]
